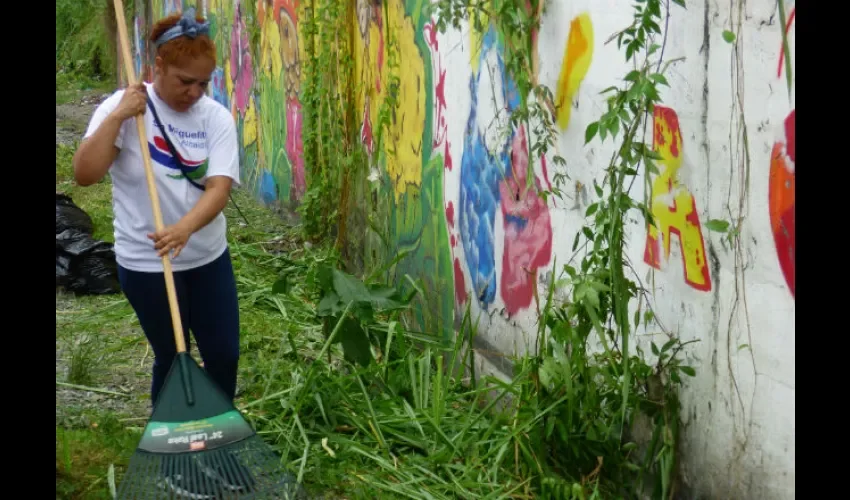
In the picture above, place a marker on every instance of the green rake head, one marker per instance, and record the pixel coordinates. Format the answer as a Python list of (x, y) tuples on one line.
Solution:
[(198, 446)]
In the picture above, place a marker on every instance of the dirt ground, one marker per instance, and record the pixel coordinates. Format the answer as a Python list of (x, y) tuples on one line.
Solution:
[(73, 117)]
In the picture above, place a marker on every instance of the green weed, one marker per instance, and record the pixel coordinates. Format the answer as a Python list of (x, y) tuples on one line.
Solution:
[(84, 43), (84, 454)]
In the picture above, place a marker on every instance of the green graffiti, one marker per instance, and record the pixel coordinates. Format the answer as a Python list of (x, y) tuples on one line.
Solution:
[(418, 224), (272, 116)]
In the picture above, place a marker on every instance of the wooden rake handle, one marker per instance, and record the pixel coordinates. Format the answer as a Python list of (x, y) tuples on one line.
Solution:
[(157, 213)]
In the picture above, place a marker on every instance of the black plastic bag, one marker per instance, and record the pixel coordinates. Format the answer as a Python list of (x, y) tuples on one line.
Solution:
[(70, 216), (83, 265)]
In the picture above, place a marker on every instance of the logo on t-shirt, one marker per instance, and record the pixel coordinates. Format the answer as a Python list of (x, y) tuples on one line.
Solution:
[(160, 153)]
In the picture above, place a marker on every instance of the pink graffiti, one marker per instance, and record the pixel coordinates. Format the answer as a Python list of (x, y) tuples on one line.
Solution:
[(366, 130), (528, 231), (240, 63), (460, 283), (441, 134), (295, 146)]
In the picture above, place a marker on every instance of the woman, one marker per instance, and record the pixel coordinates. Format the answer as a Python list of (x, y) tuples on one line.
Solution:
[(193, 190)]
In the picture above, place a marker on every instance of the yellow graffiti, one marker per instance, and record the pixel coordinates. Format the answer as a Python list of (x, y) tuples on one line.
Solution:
[(270, 60), (290, 52), (249, 126), (577, 56), (673, 206), (404, 144), (228, 82), (476, 37)]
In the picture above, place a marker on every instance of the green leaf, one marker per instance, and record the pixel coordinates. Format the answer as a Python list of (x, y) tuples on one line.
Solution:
[(728, 36), (590, 132), (355, 343), (717, 225), (329, 305), (349, 288), (667, 345), (660, 79), (325, 278), (654, 348), (687, 370), (547, 372), (384, 297), (281, 286), (591, 209)]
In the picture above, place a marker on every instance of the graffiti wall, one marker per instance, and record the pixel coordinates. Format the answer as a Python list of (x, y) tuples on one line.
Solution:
[(463, 198)]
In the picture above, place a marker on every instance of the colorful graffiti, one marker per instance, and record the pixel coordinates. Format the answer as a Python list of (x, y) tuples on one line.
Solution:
[(137, 47), (494, 171), (674, 207), (408, 121), (577, 57), (414, 155), (279, 83), (782, 185), (163, 8), (443, 242), (782, 199)]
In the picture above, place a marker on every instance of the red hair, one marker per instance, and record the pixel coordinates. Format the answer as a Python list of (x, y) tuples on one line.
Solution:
[(177, 51)]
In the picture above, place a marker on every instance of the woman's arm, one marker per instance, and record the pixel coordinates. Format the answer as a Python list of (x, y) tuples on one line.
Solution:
[(99, 149), (97, 152), (212, 202)]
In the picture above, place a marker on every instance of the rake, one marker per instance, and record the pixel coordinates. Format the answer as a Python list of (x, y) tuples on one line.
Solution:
[(196, 444)]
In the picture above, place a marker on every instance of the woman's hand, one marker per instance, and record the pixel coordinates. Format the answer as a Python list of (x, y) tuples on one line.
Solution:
[(133, 102), (173, 237)]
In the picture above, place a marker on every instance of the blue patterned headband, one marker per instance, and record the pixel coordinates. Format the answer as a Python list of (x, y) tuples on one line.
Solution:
[(186, 26)]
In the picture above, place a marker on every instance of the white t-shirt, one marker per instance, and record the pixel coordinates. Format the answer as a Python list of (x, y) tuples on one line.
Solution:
[(205, 138)]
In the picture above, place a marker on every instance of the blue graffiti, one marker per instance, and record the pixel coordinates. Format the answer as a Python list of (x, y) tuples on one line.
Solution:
[(480, 173), (219, 88), (267, 188)]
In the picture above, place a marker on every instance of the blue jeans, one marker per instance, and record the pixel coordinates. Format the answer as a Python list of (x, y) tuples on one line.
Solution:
[(208, 307)]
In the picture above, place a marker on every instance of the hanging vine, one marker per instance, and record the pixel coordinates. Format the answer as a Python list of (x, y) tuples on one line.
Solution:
[(605, 392), (332, 153)]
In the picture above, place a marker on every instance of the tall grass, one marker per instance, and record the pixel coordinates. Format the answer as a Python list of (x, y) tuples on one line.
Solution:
[(85, 41), (374, 409)]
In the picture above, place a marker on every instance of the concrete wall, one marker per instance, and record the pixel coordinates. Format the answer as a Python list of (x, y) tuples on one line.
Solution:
[(726, 131)]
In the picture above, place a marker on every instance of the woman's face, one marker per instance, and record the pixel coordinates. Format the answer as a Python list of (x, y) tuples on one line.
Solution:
[(182, 86)]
